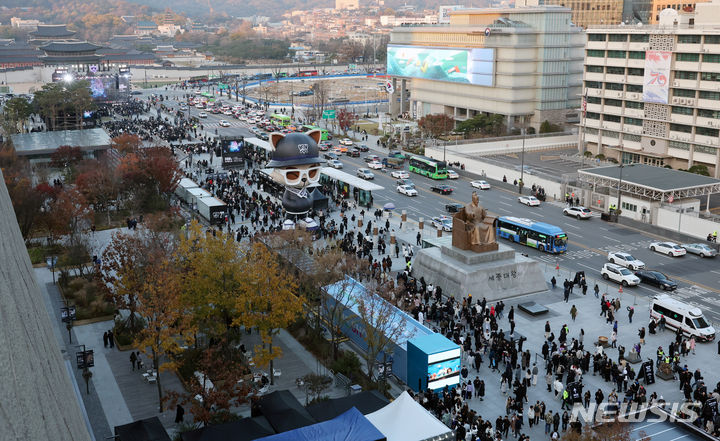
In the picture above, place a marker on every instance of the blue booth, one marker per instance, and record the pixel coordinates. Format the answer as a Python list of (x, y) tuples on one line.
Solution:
[(433, 363)]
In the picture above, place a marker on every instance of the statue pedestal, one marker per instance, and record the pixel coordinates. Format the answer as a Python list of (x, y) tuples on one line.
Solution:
[(495, 275)]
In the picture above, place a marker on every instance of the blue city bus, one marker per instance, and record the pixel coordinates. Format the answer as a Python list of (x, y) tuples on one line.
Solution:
[(544, 237)]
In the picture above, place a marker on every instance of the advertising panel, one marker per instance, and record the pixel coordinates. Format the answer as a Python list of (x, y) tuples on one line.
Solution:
[(472, 66), (656, 83), (443, 373), (444, 12), (232, 151)]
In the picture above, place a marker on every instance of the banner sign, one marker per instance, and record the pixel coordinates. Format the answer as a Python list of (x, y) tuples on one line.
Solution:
[(656, 83)]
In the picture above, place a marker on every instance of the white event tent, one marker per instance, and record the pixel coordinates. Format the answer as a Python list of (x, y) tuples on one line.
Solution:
[(421, 424)]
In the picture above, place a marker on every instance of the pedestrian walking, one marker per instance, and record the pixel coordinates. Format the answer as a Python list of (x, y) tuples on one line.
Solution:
[(631, 312), (573, 312), (111, 339), (105, 339), (133, 359), (597, 291), (179, 414)]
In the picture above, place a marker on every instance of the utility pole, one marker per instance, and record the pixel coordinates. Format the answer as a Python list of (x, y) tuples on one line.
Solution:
[(522, 160)]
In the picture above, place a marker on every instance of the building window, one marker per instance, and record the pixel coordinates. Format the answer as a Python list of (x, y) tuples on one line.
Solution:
[(686, 93), (679, 145), (594, 69), (596, 37), (616, 54), (636, 71), (712, 39), (634, 88), (706, 113), (634, 105), (681, 128), (611, 118), (684, 56), (593, 84), (685, 75), (705, 95), (631, 137), (682, 110), (614, 70), (689, 39), (639, 38), (618, 37), (613, 86), (592, 115), (616, 103), (591, 131), (711, 58), (595, 53), (594, 100), (710, 76), (636, 55), (629, 207), (609, 134), (705, 131), (633, 121), (706, 150)]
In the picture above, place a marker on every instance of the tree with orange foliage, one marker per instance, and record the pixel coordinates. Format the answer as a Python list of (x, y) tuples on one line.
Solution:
[(148, 174), (126, 264), (167, 326), (68, 214), (66, 157), (99, 184), (26, 199), (126, 143), (269, 302)]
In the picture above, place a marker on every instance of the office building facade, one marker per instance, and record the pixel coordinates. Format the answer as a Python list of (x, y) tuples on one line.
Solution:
[(586, 13), (653, 92), (523, 63)]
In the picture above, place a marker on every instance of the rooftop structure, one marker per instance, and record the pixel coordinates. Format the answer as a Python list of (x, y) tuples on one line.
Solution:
[(584, 13), (45, 143)]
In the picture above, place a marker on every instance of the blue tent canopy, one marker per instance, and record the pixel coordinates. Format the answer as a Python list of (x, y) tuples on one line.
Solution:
[(349, 426)]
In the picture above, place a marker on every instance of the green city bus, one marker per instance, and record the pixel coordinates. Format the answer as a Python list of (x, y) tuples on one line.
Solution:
[(325, 134), (431, 168), (280, 120)]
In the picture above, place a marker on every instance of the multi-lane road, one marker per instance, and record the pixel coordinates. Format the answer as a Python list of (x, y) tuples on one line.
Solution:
[(589, 240)]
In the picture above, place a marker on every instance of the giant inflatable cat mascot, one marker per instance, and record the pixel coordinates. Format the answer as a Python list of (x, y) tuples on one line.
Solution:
[(296, 163)]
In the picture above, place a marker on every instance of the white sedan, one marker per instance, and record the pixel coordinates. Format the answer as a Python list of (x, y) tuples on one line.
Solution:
[(400, 174), (452, 174), (530, 201), (224, 123), (407, 190), (346, 141), (670, 248), (202, 115), (626, 260), (334, 163), (482, 185), (443, 222), (375, 165)]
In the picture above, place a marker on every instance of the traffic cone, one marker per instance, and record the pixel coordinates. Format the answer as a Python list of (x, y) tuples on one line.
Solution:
[(620, 290)]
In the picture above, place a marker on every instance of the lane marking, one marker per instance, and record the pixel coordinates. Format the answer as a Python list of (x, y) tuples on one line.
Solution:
[(611, 238)]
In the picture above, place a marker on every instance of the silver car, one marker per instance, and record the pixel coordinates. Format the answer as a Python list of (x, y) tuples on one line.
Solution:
[(700, 249)]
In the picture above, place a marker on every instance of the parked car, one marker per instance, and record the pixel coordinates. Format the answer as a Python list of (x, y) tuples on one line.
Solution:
[(530, 201), (407, 190), (400, 174), (334, 163), (670, 248), (442, 189), (656, 278), (452, 174), (365, 174), (454, 207), (375, 165), (578, 212), (482, 185), (626, 260), (442, 222), (618, 274), (700, 249)]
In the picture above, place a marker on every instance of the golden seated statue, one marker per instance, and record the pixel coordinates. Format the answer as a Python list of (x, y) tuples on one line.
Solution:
[(474, 228)]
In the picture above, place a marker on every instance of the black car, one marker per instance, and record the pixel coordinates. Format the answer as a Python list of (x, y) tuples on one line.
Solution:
[(363, 148), (453, 208), (353, 152), (442, 189), (330, 155), (656, 278)]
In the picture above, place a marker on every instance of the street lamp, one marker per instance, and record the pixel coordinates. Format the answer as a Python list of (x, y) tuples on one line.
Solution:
[(522, 160), (622, 154), (68, 314)]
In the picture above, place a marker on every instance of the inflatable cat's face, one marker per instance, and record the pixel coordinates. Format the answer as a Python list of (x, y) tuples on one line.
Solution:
[(296, 159)]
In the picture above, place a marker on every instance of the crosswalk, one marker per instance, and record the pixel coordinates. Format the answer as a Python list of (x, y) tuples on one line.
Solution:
[(233, 123)]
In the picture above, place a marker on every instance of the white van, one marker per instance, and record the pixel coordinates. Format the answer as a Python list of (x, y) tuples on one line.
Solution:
[(681, 315)]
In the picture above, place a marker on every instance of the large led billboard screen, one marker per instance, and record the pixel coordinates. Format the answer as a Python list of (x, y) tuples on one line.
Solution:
[(472, 66), (446, 372)]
